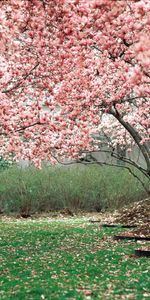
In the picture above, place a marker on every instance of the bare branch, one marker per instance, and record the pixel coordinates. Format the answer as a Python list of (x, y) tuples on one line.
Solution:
[(87, 163)]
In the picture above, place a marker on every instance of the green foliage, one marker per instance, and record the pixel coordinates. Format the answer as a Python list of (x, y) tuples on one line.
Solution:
[(52, 188), (68, 259), (4, 164)]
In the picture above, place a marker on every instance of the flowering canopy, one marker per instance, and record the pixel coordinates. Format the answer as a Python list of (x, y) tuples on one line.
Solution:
[(67, 64)]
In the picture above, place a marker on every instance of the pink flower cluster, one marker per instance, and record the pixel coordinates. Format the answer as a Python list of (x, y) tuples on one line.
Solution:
[(64, 67)]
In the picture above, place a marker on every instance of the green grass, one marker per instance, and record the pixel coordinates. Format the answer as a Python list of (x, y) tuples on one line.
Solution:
[(52, 188), (69, 259)]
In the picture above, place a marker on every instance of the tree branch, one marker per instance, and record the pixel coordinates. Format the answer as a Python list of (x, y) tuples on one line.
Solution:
[(101, 164), (135, 135), (18, 83)]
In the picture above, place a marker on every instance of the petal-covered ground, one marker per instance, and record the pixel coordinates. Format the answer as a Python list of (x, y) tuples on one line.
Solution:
[(69, 258)]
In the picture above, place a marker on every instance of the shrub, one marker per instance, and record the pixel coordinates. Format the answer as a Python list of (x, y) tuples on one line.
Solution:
[(77, 188)]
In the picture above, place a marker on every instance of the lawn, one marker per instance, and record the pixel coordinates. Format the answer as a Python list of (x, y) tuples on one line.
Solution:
[(69, 259)]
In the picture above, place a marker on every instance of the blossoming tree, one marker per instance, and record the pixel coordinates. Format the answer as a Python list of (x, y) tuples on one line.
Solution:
[(70, 70)]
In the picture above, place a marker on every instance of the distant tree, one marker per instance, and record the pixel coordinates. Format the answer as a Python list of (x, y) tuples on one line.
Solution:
[(71, 69)]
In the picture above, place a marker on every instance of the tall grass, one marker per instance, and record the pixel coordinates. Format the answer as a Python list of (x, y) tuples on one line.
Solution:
[(52, 188)]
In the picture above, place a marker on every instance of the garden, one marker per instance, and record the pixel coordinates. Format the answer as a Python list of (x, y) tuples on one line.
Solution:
[(74, 149)]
